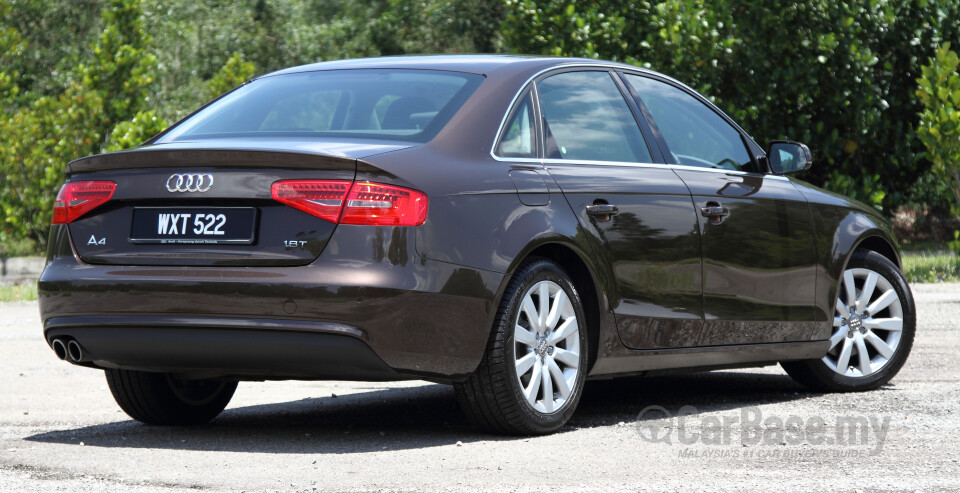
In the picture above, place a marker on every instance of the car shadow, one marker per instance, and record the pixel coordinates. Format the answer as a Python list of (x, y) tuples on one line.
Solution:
[(619, 400), (420, 417)]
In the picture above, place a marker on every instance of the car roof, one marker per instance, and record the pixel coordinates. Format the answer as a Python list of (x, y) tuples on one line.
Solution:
[(476, 64)]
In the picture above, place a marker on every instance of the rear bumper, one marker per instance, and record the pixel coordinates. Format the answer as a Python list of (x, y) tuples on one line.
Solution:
[(404, 316), (216, 349)]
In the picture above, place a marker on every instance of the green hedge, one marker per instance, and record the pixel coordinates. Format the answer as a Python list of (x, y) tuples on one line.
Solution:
[(78, 78), (838, 75)]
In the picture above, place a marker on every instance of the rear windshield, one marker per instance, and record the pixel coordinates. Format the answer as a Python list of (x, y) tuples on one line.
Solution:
[(405, 105)]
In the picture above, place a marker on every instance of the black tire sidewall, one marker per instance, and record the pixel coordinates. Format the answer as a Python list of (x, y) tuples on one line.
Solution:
[(183, 410), (531, 274), (152, 398)]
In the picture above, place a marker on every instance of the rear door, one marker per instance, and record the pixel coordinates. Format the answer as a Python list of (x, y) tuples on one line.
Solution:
[(636, 211), (759, 276)]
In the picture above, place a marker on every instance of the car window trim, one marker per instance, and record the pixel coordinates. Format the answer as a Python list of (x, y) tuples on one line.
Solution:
[(542, 74), (538, 121), (527, 88), (665, 156), (535, 127), (757, 156), (653, 145), (676, 167), (754, 149), (689, 90), (611, 72)]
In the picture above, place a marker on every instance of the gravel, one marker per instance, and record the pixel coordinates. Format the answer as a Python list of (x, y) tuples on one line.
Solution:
[(747, 430)]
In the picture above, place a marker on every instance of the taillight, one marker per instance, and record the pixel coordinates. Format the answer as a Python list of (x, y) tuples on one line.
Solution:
[(323, 199), (384, 205), (80, 197), (362, 203)]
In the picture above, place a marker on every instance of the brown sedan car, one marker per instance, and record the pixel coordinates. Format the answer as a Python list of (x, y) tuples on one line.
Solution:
[(509, 225)]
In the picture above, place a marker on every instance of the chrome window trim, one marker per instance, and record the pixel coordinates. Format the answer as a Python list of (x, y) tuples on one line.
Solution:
[(544, 163), (499, 137), (610, 66), (699, 97), (520, 160), (729, 172), (523, 87), (676, 167)]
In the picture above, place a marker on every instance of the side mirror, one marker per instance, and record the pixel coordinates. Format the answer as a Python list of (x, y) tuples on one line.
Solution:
[(786, 156)]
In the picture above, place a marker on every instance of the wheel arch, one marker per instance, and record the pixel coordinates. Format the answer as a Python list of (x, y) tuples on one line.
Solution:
[(879, 244), (873, 239), (577, 265)]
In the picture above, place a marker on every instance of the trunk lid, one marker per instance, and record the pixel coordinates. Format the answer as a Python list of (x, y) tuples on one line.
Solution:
[(197, 204)]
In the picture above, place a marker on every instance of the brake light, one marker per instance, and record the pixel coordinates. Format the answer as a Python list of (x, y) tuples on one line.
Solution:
[(384, 205), (346, 202), (80, 197), (323, 199)]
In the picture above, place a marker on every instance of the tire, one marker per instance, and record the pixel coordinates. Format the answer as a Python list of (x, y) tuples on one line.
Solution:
[(161, 399), (864, 323), (495, 396)]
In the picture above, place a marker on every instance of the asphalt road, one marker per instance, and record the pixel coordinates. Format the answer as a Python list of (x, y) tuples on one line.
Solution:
[(743, 430)]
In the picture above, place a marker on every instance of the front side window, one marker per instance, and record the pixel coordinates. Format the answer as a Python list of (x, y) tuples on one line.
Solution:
[(586, 118), (406, 105), (697, 135)]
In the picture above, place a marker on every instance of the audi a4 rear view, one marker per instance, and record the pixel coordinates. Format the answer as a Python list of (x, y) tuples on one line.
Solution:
[(509, 225)]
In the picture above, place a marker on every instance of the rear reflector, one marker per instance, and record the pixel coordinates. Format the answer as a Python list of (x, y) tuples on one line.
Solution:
[(361, 203), (80, 197)]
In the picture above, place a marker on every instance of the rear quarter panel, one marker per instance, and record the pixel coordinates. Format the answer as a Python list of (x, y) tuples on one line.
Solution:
[(475, 217), (476, 222)]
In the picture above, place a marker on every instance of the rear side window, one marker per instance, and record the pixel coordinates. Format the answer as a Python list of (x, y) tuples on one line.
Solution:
[(697, 135), (586, 118), (406, 105), (518, 136)]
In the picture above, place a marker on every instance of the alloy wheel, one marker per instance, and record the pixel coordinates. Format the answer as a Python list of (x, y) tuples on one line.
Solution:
[(546, 347), (867, 324)]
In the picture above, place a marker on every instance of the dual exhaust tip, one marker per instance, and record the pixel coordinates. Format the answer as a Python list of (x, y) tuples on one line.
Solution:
[(68, 350)]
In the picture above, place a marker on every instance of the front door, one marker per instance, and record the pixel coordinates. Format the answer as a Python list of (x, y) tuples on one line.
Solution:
[(756, 230)]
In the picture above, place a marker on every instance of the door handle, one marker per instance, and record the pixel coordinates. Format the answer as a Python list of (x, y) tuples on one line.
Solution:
[(602, 209), (715, 212), (603, 212)]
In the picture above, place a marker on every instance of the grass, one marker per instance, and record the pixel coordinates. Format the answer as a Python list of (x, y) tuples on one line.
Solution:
[(925, 246), (23, 291), (931, 267)]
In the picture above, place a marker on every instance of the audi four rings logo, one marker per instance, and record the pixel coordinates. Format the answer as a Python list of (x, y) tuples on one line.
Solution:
[(190, 182)]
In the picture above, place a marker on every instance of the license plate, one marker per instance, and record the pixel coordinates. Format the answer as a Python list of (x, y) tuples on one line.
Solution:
[(193, 226)]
